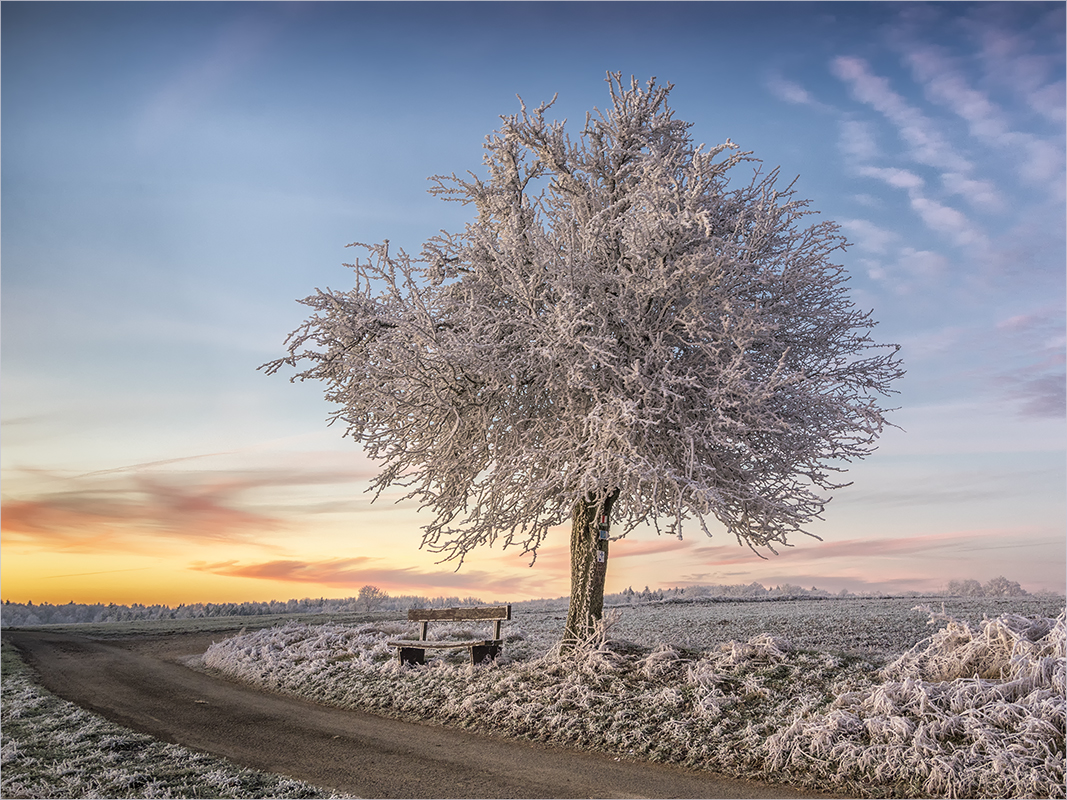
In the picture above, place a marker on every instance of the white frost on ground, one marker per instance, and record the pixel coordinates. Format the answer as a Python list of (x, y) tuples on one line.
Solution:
[(760, 708)]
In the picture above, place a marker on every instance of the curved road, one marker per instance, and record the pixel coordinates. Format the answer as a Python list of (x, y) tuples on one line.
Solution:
[(145, 684)]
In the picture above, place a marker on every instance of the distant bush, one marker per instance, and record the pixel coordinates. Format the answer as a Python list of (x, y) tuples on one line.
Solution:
[(997, 587)]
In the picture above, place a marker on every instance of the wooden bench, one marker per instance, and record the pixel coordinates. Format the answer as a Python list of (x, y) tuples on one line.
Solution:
[(412, 651)]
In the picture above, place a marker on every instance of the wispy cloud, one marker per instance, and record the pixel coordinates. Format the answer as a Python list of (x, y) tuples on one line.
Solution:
[(937, 216), (894, 176), (1039, 383), (925, 142), (946, 85), (869, 236), (1038, 161), (352, 573), (857, 141), (137, 516), (203, 77), (1038, 393), (979, 193), (925, 265), (145, 506), (909, 548), (1017, 361), (949, 221), (1012, 58), (792, 92)]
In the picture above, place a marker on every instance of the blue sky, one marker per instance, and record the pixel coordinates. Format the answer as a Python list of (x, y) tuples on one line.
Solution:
[(176, 175)]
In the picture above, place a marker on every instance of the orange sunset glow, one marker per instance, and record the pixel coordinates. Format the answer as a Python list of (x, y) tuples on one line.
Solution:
[(177, 175)]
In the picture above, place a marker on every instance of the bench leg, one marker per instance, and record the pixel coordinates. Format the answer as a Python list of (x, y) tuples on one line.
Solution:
[(411, 655), (483, 652)]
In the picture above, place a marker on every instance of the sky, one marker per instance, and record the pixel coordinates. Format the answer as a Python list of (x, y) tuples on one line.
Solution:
[(176, 175)]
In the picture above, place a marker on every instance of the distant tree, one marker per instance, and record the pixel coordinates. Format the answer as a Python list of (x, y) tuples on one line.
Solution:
[(370, 597), (1002, 587), (617, 335), (967, 588)]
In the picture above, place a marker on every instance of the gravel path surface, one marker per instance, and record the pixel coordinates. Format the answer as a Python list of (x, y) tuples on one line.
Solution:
[(146, 683)]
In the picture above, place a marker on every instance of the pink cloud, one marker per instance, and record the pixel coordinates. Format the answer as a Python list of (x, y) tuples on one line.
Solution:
[(352, 573), (907, 547), (631, 549), (87, 518), (139, 506)]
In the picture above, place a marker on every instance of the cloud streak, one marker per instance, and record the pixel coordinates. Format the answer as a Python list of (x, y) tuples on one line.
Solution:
[(908, 548), (352, 573), (1038, 161), (175, 104), (143, 506), (1027, 160), (1012, 57), (94, 520), (927, 145), (792, 92)]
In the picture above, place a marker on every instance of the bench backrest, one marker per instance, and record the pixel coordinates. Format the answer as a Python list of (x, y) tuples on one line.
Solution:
[(459, 614), (496, 614)]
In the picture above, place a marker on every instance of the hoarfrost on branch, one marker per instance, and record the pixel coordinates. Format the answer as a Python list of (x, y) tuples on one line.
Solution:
[(617, 316)]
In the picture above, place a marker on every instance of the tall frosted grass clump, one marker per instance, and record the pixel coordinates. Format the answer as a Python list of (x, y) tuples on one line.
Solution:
[(965, 713)]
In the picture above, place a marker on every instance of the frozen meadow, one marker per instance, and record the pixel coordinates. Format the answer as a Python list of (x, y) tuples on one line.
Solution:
[(868, 697)]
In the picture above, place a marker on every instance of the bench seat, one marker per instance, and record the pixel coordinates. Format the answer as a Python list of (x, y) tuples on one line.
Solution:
[(426, 645), (413, 651)]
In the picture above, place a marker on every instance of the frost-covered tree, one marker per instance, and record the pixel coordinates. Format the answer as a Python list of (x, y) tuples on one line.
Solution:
[(1002, 587), (370, 597), (620, 335), (967, 588)]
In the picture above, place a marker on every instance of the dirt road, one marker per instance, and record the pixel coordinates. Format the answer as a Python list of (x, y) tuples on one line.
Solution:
[(144, 684)]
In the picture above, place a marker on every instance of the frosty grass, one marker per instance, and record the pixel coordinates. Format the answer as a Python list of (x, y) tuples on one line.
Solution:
[(819, 694), (52, 748)]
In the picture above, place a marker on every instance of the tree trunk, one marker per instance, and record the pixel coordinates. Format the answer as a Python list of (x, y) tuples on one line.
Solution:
[(589, 566)]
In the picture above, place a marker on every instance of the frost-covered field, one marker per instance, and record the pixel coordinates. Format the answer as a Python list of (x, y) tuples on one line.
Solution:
[(859, 696), (879, 627), (52, 748)]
